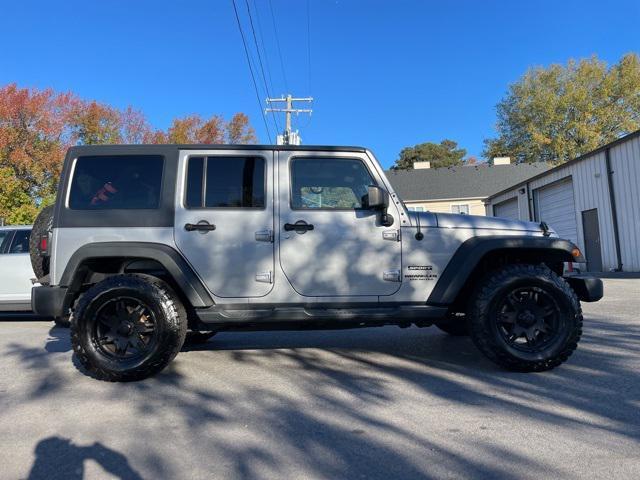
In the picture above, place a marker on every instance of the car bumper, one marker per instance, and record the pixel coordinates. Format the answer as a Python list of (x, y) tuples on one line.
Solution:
[(588, 289), (49, 301)]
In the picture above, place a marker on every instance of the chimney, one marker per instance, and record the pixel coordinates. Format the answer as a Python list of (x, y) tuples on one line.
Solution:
[(502, 160), (421, 165)]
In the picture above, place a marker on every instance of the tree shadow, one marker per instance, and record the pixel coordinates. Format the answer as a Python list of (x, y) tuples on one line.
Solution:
[(58, 457), (345, 404)]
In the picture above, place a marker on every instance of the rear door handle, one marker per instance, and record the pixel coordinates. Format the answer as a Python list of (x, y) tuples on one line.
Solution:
[(300, 226), (201, 226)]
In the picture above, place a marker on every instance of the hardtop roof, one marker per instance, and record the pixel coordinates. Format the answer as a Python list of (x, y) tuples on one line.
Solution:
[(140, 148)]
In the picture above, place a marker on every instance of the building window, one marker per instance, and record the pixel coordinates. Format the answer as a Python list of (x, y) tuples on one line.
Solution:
[(415, 209), (462, 209)]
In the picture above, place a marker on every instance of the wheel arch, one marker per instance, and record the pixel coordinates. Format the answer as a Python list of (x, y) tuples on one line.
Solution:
[(479, 255), (95, 261)]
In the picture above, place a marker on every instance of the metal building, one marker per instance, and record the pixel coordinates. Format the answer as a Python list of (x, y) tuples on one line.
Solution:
[(593, 200)]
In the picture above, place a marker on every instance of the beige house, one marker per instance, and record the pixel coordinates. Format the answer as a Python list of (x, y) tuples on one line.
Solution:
[(458, 189)]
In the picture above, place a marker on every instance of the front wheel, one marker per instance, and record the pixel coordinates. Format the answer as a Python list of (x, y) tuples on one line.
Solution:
[(525, 318), (128, 327)]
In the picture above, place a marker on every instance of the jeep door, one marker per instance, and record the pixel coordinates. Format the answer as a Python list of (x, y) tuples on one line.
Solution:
[(330, 243), (224, 219)]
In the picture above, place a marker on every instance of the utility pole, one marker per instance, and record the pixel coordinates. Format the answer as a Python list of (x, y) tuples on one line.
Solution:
[(289, 137)]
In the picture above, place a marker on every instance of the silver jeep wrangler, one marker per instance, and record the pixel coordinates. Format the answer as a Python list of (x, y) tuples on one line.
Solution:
[(150, 245)]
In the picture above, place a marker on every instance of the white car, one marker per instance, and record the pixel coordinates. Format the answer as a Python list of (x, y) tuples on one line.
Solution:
[(15, 269)]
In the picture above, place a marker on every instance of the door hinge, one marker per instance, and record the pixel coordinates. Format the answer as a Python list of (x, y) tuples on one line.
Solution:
[(393, 235), (264, 277), (391, 276), (264, 236)]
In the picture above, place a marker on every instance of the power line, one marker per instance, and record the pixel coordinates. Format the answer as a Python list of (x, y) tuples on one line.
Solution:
[(263, 44), (309, 46), (255, 85), (275, 30), (264, 77)]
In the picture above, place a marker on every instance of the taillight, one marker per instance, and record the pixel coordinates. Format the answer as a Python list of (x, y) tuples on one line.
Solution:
[(44, 244)]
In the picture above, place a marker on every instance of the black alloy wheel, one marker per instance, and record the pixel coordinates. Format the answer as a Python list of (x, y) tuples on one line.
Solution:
[(125, 328), (128, 327), (528, 318)]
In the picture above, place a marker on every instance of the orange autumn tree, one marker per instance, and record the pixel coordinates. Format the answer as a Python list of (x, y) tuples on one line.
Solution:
[(34, 134), (37, 127)]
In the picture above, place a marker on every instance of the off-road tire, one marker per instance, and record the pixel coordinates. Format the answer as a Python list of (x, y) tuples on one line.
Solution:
[(198, 338), (170, 322), (42, 226), (454, 325), (484, 330)]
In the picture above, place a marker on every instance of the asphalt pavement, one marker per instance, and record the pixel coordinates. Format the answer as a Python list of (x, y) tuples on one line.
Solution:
[(381, 403)]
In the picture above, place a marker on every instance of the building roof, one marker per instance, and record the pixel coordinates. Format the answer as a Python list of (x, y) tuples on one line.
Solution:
[(460, 182), (603, 148)]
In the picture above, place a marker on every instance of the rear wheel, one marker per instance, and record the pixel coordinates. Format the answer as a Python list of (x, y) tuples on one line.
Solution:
[(128, 327), (42, 226), (525, 318)]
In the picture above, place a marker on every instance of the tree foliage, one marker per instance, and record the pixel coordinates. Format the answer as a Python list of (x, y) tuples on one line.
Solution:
[(37, 127), (443, 154), (558, 113)]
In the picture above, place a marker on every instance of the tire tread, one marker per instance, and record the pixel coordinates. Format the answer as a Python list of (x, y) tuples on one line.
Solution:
[(486, 342), (177, 325)]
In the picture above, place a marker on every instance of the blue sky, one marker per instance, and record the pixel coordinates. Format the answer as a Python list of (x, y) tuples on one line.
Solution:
[(385, 74)]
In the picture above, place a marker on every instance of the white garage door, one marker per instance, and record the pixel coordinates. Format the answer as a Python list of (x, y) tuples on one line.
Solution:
[(555, 206), (507, 209)]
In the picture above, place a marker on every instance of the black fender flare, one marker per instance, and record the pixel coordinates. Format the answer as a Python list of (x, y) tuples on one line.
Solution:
[(471, 252), (168, 257)]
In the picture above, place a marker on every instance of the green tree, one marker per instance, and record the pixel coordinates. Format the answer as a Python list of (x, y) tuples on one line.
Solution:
[(560, 112), (443, 154), (16, 206)]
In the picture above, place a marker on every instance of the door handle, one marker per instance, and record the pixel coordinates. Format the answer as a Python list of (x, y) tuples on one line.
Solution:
[(201, 226), (300, 226)]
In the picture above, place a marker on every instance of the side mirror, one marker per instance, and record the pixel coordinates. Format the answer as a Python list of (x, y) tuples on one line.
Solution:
[(377, 198)]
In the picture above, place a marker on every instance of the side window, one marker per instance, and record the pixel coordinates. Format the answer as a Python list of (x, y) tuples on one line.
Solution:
[(117, 182), (20, 243), (329, 183), (462, 209), (4, 238), (225, 182)]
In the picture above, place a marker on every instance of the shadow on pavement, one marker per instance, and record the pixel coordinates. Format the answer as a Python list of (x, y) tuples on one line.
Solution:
[(58, 457), (329, 401), (59, 340)]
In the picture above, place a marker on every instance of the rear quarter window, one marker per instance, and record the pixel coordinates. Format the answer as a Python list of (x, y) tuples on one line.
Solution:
[(116, 182)]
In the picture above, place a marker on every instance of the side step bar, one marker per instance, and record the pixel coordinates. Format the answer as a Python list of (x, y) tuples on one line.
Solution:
[(232, 315)]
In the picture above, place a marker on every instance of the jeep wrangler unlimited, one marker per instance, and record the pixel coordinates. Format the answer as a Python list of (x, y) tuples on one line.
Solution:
[(149, 241)]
